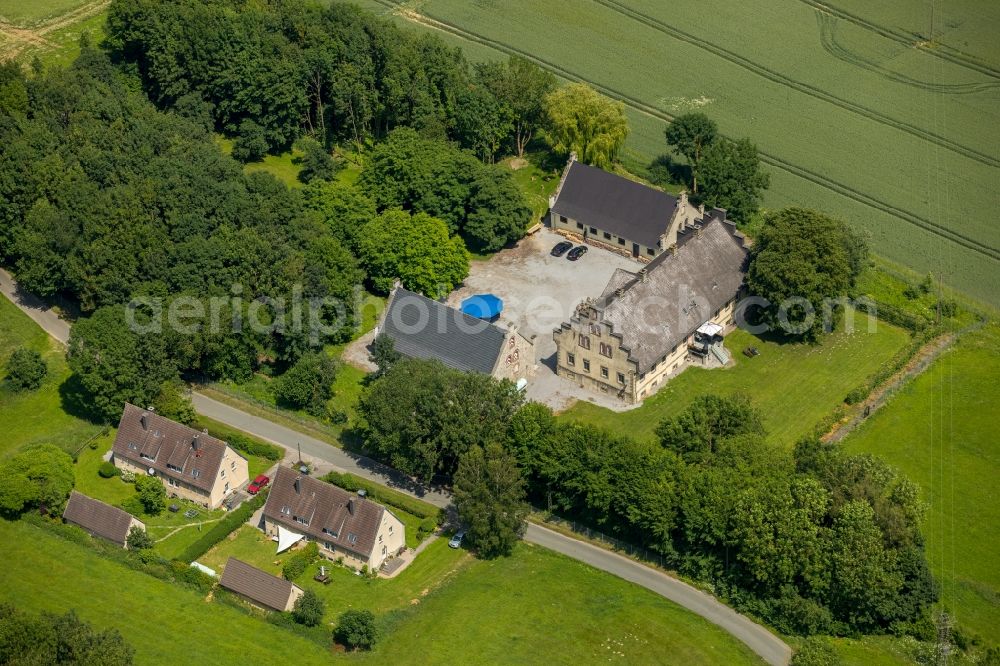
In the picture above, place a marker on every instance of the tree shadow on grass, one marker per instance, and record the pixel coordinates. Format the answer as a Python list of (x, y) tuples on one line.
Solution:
[(76, 401), (665, 171)]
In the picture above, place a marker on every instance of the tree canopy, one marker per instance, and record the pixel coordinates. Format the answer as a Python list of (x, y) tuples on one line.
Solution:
[(520, 86), (490, 499), (732, 178), (26, 369), (690, 135), (37, 477), (308, 384), (58, 639), (806, 260), (582, 121)]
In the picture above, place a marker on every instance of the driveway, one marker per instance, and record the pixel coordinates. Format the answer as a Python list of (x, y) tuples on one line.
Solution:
[(540, 292)]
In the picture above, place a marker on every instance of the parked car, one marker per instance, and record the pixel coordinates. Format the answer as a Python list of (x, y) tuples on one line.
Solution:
[(560, 248), (577, 252), (258, 484), (456, 539)]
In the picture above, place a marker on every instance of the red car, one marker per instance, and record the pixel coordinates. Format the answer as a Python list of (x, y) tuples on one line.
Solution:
[(258, 484)]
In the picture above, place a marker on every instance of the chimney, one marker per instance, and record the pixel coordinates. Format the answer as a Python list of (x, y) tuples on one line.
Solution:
[(673, 249), (350, 506), (196, 442), (144, 420), (643, 274), (618, 292), (298, 485)]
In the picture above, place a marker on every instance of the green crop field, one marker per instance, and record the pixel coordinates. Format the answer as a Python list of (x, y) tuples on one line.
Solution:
[(795, 386), (36, 12), (891, 137), (940, 430)]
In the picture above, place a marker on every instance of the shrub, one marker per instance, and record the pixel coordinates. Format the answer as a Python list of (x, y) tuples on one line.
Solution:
[(309, 609), (26, 369), (427, 526), (300, 561), (223, 528), (308, 384), (152, 494), (857, 395), (251, 143), (356, 629), (108, 470), (255, 447), (815, 651), (138, 539), (128, 476)]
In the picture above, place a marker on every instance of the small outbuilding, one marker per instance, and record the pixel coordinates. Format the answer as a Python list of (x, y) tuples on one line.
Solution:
[(100, 519), (259, 587)]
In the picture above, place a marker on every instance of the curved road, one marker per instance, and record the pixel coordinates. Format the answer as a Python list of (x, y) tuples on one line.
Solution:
[(765, 644)]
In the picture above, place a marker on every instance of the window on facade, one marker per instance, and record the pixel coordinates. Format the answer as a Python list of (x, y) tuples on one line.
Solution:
[(621, 378), (222, 474), (226, 489), (133, 446), (607, 236), (650, 251), (383, 550), (562, 218), (232, 465), (621, 241), (579, 225), (604, 372), (390, 529), (595, 329), (570, 359), (585, 342), (380, 538), (606, 350), (593, 230), (328, 545), (286, 510), (586, 365)]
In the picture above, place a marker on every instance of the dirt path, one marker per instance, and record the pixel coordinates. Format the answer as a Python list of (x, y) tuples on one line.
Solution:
[(183, 527), (19, 39), (926, 355)]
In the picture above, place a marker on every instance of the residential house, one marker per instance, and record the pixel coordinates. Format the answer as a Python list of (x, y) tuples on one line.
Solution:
[(343, 524), (190, 463), (100, 519), (617, 213), (259, 587), (423, 328), (637, 334)]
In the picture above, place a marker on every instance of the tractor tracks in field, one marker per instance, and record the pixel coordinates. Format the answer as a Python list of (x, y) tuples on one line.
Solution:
[(942, 231), (910, 40), (827, 24), (798, 86), (22, 38)]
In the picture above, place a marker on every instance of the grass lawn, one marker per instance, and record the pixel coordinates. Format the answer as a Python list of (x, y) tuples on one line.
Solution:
[(164, 623), (285, 167), (795, 386), (540, 607), (28, 14), (535, 181), (940, 430), (40, 416)]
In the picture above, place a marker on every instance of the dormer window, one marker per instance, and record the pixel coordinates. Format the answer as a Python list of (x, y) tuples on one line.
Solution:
[(195, 473), (351, 537), (133, 446), (146, 456), (286, 510), (327, 530), (174, 468)]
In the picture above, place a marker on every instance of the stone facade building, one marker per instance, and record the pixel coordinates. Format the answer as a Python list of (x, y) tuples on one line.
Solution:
[(191, 464), (622, 215), (636, 335)]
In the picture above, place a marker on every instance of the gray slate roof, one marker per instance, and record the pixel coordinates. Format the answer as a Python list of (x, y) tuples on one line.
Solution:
[(423, 328), (98, 518), (681, 292), (256, 585), (615, 204)]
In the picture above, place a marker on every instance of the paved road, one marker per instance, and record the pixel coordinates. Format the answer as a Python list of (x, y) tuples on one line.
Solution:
[(34, 308), (768, 646)]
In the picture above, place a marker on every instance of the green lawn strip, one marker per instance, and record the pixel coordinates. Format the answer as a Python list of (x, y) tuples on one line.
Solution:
[(874, 651), (39, 416), (540, 607), (285, 167), (795, 386), (166, 624), (940, 430)]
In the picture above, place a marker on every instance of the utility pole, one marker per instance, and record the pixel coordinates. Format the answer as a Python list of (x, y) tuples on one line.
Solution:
[(943, 638), (930, 37)]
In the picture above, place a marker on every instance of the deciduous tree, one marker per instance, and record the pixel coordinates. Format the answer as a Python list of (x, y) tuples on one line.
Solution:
[(732, 178), (690, 135), (490, 498), (26, 369), (520, 86), (151, 494), (357, 629), (580, 120)]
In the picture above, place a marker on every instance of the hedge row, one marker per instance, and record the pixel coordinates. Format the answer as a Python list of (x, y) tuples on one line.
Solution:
[(300, 561), (223, 528), (255, 447), (383, 495), (860, 394)]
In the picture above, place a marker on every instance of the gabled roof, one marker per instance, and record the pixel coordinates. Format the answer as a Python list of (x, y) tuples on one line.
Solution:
[(615, 204), (172, 449), (98, 518), (256, 585), (422, 328), (329, 513), (680, 292)]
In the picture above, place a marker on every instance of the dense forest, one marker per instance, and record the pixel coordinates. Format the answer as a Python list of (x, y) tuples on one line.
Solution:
[(814, 541)]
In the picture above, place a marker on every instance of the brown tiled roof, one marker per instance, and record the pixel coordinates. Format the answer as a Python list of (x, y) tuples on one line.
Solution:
[(172, 449), (329, 513), (98, 518), (680, 292), (256, 585)]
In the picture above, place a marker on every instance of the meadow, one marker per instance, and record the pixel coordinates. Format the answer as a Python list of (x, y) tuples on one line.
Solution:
[(940, 430), (795, 386), (895, 140)]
